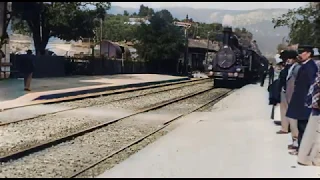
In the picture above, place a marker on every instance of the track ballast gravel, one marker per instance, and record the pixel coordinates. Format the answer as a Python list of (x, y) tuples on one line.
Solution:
[(18, 136), (64, 159)]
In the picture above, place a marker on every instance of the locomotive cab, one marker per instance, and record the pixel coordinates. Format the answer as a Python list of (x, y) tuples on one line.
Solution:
[(233, 61)]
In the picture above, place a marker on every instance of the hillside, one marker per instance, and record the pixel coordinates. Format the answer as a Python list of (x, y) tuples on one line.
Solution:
[(256, 21)]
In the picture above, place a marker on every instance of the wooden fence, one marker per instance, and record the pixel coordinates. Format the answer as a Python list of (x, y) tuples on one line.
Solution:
[(60, 66)]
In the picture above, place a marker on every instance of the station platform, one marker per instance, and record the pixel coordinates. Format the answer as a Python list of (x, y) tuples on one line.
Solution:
[(236, 139), (12, 93)]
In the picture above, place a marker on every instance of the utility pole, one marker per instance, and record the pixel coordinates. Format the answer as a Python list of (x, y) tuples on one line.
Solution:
[(101, 29), (186, 25), (207, 48), (186, 59), (100, 37)]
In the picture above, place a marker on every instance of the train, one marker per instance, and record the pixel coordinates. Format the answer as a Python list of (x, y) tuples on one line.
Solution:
[(235, 62)]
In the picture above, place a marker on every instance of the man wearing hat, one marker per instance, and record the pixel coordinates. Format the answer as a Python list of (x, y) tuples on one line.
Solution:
[(263, 70), (271, 73), (310, 147), (286, 95), (27, 68), (288, 56), (305, 78)]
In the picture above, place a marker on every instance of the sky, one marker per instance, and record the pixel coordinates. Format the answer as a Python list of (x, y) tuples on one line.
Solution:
[(213, 5)]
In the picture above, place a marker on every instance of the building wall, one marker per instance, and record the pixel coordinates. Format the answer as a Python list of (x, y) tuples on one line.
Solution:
[(113, 49)]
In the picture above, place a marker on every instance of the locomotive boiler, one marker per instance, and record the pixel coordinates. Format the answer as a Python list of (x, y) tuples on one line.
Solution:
[(235, 62)]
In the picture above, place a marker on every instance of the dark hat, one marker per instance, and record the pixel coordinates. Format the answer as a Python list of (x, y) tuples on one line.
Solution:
[(284, 55), (305, 48), (291, 54)]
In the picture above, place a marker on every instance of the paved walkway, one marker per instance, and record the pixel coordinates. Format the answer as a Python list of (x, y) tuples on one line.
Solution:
[(236, 139), (11, 91)]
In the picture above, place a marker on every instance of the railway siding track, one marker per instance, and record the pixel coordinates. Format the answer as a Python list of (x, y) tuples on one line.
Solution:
[(26, 134), (82, 103), (99, 94), (80, 143), (41, 146)]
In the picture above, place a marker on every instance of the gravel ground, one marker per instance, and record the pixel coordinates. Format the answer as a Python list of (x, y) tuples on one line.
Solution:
[(192, 103), (123, 155), (65, 158), (25, 134), (106, 99), (148, 100)]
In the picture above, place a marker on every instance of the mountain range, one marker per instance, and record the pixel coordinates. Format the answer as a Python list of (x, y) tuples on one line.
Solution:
[(258, 21)]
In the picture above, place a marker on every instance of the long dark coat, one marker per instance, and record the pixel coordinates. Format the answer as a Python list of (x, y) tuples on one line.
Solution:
[(274, 92), (306, 76), (27, 64)]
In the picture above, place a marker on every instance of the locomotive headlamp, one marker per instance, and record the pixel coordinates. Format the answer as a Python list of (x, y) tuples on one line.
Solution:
[(238, 69)]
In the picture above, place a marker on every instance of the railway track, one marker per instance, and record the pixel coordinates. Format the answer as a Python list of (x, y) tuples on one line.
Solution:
[(165, 125), (58, 140), (175, 86), (37, 148), (104, 93)]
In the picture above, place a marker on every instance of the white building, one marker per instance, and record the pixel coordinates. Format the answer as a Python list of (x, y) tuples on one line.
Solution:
[(137, 21)]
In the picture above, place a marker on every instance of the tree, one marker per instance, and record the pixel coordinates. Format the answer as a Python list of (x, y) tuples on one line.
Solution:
[(304, 24), (165, 15), (145, 11), (125, 13), (116, 29), (65, 20), (202, 30), (7, 17), (160, 43)]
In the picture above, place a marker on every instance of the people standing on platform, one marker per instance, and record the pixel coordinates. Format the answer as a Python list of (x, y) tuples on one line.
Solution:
[(309, 149), (283, 102), (27, 68), (279, 66), (291, 78), (262, 73), (286, 98), (274, 92), (271, 74), (305, 78)]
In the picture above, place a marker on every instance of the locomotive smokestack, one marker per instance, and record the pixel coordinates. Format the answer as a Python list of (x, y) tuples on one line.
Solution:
[(226, 36)]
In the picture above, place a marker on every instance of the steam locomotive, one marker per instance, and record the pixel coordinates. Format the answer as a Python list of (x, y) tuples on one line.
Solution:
[(236, 62)]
